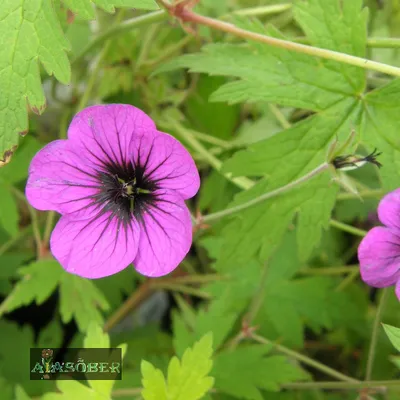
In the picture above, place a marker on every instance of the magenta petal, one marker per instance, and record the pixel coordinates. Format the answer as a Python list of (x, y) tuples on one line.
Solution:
[(397, 289), (389, 210), (106, 131), (60, 179), (167, 162), (94, 247), (379, 256), (165, 237)]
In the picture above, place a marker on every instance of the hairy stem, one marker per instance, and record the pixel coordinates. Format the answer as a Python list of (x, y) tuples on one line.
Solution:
[(187, 15), (233, 210), (378, 385), (305, 360)]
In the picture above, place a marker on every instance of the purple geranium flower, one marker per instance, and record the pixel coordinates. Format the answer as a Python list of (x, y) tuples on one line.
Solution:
[(379, 251), (120, 186)]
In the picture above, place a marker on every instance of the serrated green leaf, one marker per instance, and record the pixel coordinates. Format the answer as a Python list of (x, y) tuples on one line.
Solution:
[(153, 381), (216, 318), (187, 380), (38, 281), (339, 26), (96, 337), (82, 300), (274, 75), (30, 32), (380, 129), (393, 334), (243, 372), (284, 158), (8, 211)]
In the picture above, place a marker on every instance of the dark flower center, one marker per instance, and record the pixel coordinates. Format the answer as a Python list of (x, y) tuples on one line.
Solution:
[(126, 190)]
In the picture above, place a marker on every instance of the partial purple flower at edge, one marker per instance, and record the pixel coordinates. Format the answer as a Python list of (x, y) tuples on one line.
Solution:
[(379, 251), (120, 186)]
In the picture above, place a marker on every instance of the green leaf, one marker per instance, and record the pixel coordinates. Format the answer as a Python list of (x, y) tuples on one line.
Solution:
[(393, 334), (380, 126), (13, 354), (82, 300), (84, 8), (20, 393), (79, 298), (153, 381), (31, 32), (18, 170), (216, 318), (243, 372), (339, 26), (38, 282), (96, 337), (8, 211), (51, 336), (216, 119), (284, 158), (187, 380)]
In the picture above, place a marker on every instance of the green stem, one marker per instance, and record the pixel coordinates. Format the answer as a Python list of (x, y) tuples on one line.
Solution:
[(348, 280), (373, 42), (22, 233), (182, 289), (34, 220), (233, 210), (259, 297), (119, 28), (379, 385), (305, 360), (198, 279), (363, 194), (374, 336), (279, 116), (213, 140), (51, 215), (262, 10), (383, 42), (330, 270), (186, 15), (347, 228)]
